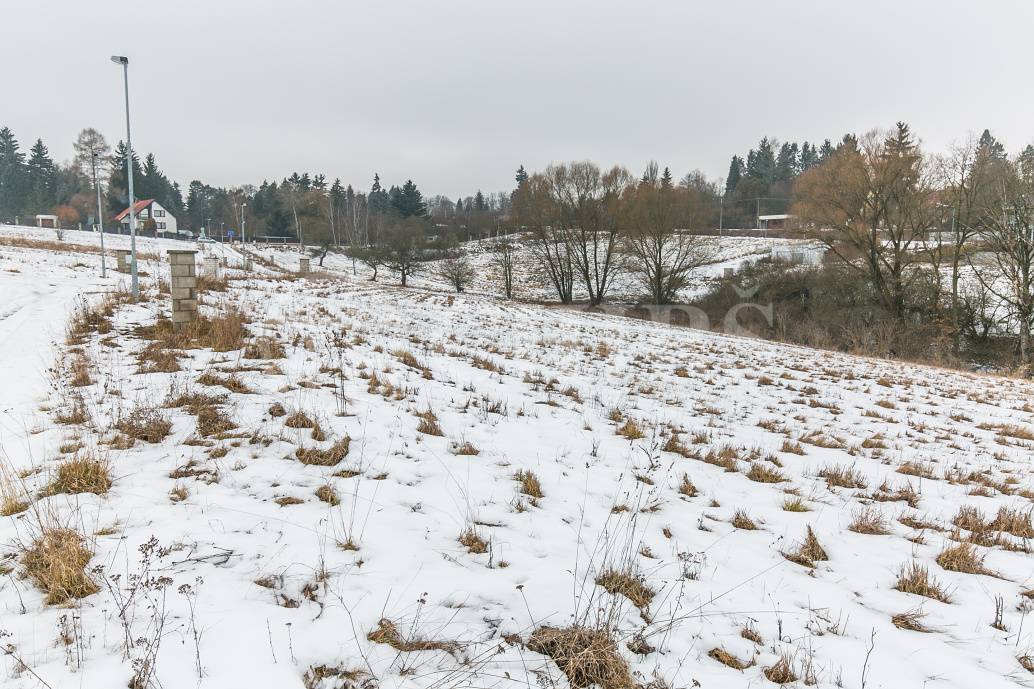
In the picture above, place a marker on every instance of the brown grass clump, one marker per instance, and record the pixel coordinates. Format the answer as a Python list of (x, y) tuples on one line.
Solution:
[(742, 521), (80, 475), (792, 446), (630, 430), (1014, 521), (781, 672), (728, 659), (387, 632), (842, 476), (529, 483), (327, 494), (762, 473), (808, 552), (56, 562), (687, 488), (794, 503), (299, 420), (145, 423), (587, 657), (466, 449), (970, 518), (473, 542), (157, 358), (231, 383), (750, 633), (631, 586), (869, 521), (11, 497), (179, 493), (915, 578), (211, 421), (912, 621), (429, 423), (348, 678), (264, 348), (324, 457), (964, 558), (276, 410)]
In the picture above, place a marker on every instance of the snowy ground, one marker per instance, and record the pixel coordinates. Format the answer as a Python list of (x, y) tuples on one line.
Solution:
[(252, 580)]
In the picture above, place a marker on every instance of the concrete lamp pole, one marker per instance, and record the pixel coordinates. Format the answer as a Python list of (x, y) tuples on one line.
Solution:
[(100, 215), (135, 280)]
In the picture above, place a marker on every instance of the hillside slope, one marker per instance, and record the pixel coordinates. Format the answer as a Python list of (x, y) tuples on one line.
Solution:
[(367, 486)]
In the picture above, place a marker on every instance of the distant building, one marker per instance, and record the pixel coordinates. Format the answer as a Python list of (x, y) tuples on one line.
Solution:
[(148, 209), (46, 221), (774, 222)]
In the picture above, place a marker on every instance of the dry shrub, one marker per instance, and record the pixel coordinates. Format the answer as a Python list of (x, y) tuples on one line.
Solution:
[(631, 586), (792, 447), (781, 672), (264, 348), (687, 488), (750, 633), (87, 319), (630, 430), (842, 476), (74, 412), (964, 558), (912, 621), (473, 542), (157, 358), (80, 475), (728, 659), (529, 483), (11, 497), (193, 401), (762, 473), (211, 421), (428, 423), (276, 410), (387, 632), (145, 423), (742, 521), (56, 562), (299, 420), (231, 383), (466, 448), (347, 678), (794, 503), (324, 457), (1014, 521), (915, 578), (224, 333), (970, 518), (327, 494), (587, 657), (808, 552), (869, 521), (79, 370)]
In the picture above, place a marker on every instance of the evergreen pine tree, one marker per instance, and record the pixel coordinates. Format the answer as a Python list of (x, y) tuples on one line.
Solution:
[(479, 202), (825, 150), (736, 170), (666, 182), (118, 182), (809, 157), (992, 145), (377, 201), (787, 164), (13, 176), (521, 177), (42, 179)]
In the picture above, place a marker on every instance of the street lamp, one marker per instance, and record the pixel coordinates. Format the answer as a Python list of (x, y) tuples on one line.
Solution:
[(243, 206), (124, 61)]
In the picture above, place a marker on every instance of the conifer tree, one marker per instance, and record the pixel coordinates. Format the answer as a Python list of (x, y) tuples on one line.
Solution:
[(13, 176), (42, 179)]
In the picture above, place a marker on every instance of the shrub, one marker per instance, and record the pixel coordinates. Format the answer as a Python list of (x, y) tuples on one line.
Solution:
[(145, 423), (56, 563), (80, 475), (324, 457), (529, 483), (915, 578), (587, 657)]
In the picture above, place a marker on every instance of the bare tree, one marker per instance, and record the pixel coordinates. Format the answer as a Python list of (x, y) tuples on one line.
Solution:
[(1007, 229), (89, 143), (503, 255), (535, 210), (872, 203), (663, 253), (456, 269)]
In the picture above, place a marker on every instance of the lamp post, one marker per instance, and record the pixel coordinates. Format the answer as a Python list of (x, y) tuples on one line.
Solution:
[(100, 216), (243, 206), (124, 61)]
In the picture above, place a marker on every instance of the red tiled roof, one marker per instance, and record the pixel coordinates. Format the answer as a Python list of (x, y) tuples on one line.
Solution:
[(137, 207)]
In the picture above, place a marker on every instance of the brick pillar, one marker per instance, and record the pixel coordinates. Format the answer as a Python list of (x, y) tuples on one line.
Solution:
[(123, 258), (303, 265), (212, 267), (183, 286)]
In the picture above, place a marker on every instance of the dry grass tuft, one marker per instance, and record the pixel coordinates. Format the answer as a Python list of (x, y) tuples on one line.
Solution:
[(1014, 521), (80, 475), (179, 493), (808, 552), (687, 488), (276, 410), (915, 578), (264, 348), (743, 521), (964, 558), (473, 542), (429, 423), (912, 621), (387, 632), (970, 518), (870, 521), (299, 420), (794, 503), (327, 494), (324, 457), (631, 586), (145, 423), (781, 672), (587, 657), (211, 421), (56, 563), (842, 476), (763, 473), (465, 449), (529, 483), (630, 430), (728, 659)]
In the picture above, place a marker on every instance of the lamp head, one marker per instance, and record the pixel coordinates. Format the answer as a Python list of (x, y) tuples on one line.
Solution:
[(120, 59)]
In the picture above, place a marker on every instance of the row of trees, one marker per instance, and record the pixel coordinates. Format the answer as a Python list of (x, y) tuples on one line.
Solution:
[(903, 219)]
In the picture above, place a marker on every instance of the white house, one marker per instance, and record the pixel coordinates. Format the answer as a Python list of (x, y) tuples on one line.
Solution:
[(147, 209)]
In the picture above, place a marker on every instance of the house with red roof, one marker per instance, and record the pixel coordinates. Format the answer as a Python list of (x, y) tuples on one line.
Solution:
[(145, 210)]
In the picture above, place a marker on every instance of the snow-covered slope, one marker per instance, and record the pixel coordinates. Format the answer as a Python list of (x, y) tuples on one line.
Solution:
[(679, 474)]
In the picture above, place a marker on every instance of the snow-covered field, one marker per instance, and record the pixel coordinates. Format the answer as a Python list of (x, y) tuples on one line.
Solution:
[(508, 468)]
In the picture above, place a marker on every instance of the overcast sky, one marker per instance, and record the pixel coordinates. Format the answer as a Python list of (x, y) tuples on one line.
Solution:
[(457, 94)]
